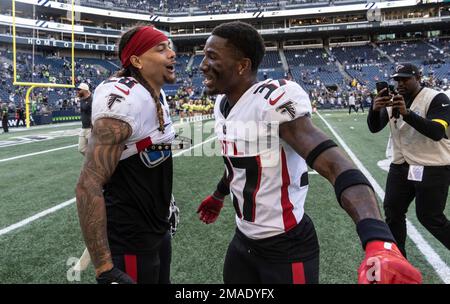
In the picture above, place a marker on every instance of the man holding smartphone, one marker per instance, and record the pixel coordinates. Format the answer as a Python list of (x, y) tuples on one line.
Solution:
[(420, 167)]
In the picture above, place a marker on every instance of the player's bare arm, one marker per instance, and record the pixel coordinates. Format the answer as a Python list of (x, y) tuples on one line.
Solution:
[(358, 201), (356, 197), (102, 157)]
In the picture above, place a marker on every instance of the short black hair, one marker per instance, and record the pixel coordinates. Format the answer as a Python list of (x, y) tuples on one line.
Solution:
[(244, 38)]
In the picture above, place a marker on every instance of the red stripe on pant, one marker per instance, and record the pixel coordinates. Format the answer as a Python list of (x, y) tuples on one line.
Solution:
[(289, 219), (131, 266), (298, 273)]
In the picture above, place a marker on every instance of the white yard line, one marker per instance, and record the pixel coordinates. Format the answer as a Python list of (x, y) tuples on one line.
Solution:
[(36, 153), (29, 141), (51, 126), (25, 140), (441, 268), (56, 149), (195, 146), (35, 217), (72, 200)]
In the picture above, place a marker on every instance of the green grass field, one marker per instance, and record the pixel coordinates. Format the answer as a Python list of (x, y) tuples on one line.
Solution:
[(38, 251)]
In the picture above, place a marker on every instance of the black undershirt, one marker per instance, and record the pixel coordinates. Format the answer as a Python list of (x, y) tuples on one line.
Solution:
[(225, 107)]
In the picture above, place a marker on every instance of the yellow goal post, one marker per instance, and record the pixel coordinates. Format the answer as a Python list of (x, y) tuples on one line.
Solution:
[(33, 85)]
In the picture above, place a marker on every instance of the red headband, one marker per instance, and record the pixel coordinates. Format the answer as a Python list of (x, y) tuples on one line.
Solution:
[(143, 40)]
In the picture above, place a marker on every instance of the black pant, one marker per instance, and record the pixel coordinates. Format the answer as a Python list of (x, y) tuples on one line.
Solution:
[(149, 268), (5, 125), (21, 119), (352, 107), (165, 257), (250, 262), (431, 197), (360, 106)]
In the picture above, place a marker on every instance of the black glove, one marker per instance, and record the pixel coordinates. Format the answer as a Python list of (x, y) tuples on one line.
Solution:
[(114, 276)]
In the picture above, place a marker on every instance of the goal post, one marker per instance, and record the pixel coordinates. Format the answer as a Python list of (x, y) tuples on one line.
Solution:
[(33, 85)]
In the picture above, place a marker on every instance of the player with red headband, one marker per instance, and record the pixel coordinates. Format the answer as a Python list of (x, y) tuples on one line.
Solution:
[(125, 186)]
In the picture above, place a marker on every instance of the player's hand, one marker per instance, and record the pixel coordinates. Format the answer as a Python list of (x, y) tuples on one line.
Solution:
[(384, 264), (210, 208), (380, 101), (398, 102), (114, 276)]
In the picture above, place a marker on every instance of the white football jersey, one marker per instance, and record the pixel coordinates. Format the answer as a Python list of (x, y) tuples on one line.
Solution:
[(126, 99), (268, 179)]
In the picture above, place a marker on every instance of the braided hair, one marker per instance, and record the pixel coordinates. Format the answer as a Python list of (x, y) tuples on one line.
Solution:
[(132, 71)]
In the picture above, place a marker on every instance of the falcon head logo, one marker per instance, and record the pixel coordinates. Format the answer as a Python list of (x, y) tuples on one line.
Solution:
[(112, 98), (288, 108), (399, 67)]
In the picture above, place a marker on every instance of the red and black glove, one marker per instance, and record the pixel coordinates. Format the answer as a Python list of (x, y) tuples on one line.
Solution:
[(384, 264), (210, 208)]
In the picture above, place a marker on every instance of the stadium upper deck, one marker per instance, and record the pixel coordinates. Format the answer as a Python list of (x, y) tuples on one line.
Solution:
[(99, 29), (206, 7), (319, 46), (103, 26)]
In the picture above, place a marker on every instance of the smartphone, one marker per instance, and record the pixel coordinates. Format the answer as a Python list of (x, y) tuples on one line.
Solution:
[(392, 89), (382, 85)]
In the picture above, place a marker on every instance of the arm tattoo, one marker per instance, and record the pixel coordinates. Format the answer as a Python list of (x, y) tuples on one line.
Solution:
[(103, 154)]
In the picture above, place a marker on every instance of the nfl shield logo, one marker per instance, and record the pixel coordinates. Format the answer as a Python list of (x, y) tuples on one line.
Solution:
[(224, 129)]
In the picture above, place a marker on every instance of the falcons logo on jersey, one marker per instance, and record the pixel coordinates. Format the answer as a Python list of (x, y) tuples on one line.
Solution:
[(112, 98), (288, 108)]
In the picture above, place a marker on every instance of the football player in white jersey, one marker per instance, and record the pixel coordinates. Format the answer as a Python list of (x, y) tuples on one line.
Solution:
[(125, 186), (275, 241)]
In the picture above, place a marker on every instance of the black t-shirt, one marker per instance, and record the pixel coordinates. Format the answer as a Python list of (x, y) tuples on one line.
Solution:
[(20, 113), (439, 108), (86, 112), (137, 202), (225, 106), (4, 115)]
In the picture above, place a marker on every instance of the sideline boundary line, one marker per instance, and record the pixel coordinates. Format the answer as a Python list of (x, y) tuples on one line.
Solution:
[(439, 266)]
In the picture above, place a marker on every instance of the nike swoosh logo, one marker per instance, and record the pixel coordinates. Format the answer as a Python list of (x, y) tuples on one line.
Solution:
[(126, 92), (446, 105), (274, 101)]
